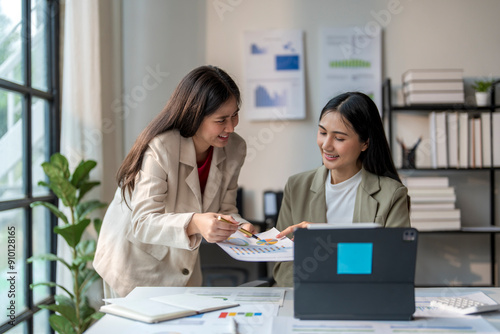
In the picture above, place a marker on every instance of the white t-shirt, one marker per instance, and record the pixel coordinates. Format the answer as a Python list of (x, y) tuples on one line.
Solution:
[(340, 199)]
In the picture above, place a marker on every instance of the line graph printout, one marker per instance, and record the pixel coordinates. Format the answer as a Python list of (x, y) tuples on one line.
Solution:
[(268, 248)]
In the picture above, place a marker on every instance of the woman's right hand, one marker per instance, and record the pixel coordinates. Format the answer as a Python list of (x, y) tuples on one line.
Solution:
[(291, 229), (212, 229)]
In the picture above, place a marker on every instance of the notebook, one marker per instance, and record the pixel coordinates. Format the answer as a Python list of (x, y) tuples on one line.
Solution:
[(163, 308), (354, 273)]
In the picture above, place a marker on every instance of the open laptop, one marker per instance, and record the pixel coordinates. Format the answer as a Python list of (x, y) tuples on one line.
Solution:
[(354, 273)]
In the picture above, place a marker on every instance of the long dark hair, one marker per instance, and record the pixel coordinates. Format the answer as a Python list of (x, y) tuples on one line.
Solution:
[(361, 112), (199, 94)]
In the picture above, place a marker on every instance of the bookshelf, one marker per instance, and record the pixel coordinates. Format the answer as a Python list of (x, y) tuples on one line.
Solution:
[(480, 217)]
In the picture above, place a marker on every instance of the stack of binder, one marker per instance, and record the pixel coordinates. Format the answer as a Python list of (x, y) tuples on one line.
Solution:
[(434, 86), (432, 204)]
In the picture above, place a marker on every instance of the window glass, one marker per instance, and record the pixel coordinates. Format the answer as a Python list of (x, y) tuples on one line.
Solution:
[(42, 325), (11, 142), (40, 144), (41, 245), (39, 32), (11, 55)]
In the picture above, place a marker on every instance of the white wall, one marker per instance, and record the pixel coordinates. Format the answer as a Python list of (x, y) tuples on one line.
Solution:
[(162, 41), (422, 34)]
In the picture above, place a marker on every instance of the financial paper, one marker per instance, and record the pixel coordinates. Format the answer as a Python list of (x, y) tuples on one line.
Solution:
[(268, 248)]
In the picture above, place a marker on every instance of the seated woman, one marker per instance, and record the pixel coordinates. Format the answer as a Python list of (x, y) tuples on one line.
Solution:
[(357, 182)]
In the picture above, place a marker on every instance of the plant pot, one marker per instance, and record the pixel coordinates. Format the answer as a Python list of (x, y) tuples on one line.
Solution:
[(482, 98)]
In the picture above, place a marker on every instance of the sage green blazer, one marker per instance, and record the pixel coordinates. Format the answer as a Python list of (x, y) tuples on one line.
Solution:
[(379, 199)]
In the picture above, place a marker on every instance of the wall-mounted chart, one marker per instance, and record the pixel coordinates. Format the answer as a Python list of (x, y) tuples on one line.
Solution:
[(351, 60), (274, 75)]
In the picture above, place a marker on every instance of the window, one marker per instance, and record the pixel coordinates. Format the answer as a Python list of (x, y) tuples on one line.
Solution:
[(29, 135)]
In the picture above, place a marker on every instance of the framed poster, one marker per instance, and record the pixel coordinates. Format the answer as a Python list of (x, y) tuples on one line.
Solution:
[(351, 60), (274, 75)]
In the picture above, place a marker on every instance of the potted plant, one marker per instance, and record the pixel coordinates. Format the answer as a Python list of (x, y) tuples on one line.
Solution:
[(73, 311), (482, 88)]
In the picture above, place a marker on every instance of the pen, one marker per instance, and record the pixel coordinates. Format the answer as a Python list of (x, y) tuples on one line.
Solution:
[(241, 229)]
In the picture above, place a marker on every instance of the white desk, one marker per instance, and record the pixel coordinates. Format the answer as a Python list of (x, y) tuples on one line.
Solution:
[(112, 324)]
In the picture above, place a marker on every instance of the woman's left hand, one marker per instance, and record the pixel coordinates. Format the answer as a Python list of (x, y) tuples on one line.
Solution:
[(291, 229)]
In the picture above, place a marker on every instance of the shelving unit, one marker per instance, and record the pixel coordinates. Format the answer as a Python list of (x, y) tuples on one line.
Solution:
[(388, 111)]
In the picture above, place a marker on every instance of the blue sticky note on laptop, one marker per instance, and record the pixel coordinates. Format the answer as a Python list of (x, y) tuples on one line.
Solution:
[(354, 258)]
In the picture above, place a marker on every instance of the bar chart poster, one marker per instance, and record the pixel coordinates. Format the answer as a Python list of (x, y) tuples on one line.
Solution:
[(351, 60), (274, 75)]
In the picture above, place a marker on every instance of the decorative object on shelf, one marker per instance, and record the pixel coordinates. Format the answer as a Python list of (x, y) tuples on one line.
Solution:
[(73, 312), (408, 161), (482, 88)]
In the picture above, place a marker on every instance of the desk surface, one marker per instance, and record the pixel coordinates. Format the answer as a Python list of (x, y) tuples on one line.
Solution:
[(111, 324)]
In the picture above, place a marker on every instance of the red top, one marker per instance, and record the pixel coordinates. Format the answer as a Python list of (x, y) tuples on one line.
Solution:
[(204, 169)]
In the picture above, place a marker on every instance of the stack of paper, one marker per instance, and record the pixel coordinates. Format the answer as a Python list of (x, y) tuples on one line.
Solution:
[(433, 86), (432, 204)]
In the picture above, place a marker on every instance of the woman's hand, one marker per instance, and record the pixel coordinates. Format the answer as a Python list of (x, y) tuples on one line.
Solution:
[(212, 229), (291, 229)]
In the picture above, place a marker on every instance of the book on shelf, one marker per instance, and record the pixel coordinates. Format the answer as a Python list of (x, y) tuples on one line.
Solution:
[(486, 138), (425, 181), (441, 140), (435, 215), (452, 134), (433, 74), (157, 309), (463, 138), (432, 135), (438, 139), (432, 206), (434, 98), (475, 143), (452, 225), (433, 86), (424, 191), (495, 144), (433, 198)]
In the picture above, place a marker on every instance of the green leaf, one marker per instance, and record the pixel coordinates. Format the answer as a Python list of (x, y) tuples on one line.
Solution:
[(72, 233), (81, 172), (52, 285), (64, 190), (86, 247), (48, 257), (86, 187), (61, 324), (98, 225), (83, 209), (54, 209), (90, 278), (60, 162)]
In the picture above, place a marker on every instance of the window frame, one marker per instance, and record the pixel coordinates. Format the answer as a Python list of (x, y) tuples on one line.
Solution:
[(52, 129)]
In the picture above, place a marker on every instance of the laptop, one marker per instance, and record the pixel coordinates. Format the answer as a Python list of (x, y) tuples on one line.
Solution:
[(354, 273)]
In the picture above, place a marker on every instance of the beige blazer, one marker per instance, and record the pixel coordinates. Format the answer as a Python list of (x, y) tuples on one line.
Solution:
[(147, 245), (379, 200)]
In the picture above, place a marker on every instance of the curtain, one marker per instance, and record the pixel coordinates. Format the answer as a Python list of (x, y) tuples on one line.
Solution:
[(81, 111)]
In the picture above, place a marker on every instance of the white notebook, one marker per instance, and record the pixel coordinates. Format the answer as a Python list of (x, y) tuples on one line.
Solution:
[(163, 308)]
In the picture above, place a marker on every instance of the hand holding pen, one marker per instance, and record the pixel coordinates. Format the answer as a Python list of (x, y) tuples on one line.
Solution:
[(241, 229)]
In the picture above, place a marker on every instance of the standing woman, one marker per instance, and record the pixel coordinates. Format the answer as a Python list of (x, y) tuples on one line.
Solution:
[(180, 175), (356, 183)]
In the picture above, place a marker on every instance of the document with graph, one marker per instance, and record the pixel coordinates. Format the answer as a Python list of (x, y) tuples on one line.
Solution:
[(268, 248)]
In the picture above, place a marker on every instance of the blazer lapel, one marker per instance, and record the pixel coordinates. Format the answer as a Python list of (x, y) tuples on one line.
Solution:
[(188, 158), (214, 180), (365, 209), (317, 206)]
